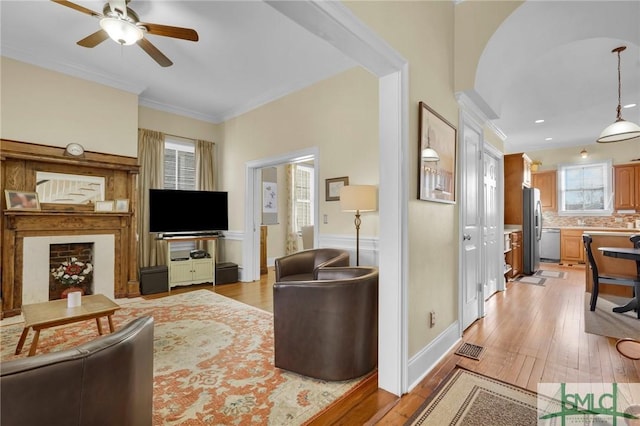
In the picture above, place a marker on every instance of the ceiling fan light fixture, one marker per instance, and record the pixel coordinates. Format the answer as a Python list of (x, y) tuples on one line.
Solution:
[(620, 130), (121, 31)]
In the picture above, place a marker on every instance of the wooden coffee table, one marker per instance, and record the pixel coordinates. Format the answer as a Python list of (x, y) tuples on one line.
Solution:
[(53, 313)]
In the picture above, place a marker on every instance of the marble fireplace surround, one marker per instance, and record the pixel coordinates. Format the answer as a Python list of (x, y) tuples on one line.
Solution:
[(35, 270)]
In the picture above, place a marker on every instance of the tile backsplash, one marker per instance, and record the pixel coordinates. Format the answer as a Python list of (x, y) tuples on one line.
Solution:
[(552, 219)]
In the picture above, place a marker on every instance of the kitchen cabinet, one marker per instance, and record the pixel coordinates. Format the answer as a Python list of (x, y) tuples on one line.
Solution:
[(547, 184), (571, 246), (516, 254), (626, 178), (513, 255), (517, 175)]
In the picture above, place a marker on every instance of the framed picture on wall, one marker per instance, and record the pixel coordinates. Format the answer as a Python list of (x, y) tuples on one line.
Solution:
[(333, 185), (436, 157)]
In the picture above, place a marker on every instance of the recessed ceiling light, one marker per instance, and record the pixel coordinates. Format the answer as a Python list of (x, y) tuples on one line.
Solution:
[(548, 139), (539, 121), (629, 106)]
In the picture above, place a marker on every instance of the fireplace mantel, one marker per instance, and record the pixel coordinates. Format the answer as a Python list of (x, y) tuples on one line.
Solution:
[(20, 162)]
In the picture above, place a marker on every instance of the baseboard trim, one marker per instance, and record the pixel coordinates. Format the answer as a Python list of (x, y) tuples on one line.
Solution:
[(423, 362)]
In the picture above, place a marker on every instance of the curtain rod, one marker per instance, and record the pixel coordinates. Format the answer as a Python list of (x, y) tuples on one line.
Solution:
[(184, 137)]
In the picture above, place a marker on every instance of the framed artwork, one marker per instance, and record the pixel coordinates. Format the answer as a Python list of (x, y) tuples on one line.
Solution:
[(104, 206), (333, 185), (21, 200), (436, 157), (122, 205)]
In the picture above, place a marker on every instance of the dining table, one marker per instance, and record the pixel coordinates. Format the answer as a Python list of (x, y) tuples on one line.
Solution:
[(629, 254)]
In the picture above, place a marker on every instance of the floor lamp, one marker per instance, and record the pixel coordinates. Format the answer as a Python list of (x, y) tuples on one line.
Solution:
[(358, 198)]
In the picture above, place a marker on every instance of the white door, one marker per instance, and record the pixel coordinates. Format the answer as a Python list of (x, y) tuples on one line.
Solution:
[(471, 224), (493, 242)]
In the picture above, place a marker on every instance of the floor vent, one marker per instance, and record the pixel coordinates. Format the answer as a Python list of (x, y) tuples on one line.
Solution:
[(470, 351)]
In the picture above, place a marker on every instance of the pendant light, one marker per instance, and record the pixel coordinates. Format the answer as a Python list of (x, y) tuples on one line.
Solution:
[(429, 154), (620, 130)]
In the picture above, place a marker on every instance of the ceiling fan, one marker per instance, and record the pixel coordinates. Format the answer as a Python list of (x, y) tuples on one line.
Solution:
[(122, 25)]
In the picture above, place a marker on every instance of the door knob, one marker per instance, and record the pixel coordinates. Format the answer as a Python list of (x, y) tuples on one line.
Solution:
[(466, 237)]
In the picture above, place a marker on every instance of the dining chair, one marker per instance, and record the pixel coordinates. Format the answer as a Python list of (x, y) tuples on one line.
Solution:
[(625, 280)]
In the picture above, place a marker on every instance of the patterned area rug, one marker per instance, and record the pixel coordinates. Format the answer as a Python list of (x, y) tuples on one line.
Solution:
[(550, 274), (604, 322), (471, 399), (213, 362), (531, 280)]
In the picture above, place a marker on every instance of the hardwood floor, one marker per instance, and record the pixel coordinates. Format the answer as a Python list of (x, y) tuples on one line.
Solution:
[(530, 334)]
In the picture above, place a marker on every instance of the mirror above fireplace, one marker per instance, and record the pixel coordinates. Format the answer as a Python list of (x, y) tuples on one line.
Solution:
[(63, 188)]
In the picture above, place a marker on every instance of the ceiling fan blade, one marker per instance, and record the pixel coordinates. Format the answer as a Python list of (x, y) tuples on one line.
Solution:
[(167, 31), (94, 39), (78, 8), (153, 51)]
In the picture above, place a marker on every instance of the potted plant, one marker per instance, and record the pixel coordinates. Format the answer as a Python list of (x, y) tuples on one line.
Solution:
[(73, 274)]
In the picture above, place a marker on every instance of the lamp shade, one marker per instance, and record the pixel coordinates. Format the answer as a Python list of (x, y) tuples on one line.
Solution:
[(362, 198), (621, 130)]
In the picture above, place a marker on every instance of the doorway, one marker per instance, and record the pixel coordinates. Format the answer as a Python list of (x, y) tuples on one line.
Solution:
[(288, 200), (253, 194)]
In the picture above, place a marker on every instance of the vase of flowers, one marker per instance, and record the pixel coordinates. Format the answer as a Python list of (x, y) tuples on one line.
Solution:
[(72, 274)]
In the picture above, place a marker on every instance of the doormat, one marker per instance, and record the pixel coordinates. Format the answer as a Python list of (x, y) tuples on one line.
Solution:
[(470, 351), (550, 274), (531, 280), (468, 398)]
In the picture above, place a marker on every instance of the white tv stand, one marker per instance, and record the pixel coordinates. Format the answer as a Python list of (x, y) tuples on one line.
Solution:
[(192, 271)]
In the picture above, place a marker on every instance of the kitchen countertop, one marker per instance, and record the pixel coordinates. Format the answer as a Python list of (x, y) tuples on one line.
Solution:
[(594, 228)]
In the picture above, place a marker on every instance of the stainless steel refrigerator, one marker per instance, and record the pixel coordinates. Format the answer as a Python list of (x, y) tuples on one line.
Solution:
[(531, 230)]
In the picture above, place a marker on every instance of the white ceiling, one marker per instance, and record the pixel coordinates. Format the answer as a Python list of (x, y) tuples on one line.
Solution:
[(248, 53), (549, 60)]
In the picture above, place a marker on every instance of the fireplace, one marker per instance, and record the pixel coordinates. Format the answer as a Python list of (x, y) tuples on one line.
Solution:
[(70, 269), (26, 235), (36, 270), (30, 235)]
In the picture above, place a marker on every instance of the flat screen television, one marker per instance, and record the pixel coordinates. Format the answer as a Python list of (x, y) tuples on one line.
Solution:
[(173, 211)]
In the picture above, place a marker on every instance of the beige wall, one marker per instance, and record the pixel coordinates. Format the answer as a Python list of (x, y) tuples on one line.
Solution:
[(177, 125), (619, 152), (338, 115), (423, 33), (50, 108), (475, 23)]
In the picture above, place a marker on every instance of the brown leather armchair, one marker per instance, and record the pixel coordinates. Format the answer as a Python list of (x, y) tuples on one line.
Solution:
[(108, 381), (303, 265), (328, 328)]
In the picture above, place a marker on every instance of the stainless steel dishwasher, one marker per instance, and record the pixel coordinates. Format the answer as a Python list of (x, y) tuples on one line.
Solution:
[(550, 245)]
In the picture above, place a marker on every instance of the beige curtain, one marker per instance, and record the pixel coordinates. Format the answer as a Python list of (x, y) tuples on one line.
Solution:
[(292, 235), (206, 166), (205, 159), (151, 252)]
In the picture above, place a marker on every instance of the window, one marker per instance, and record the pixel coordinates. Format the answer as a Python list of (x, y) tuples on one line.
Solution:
[(179, 164), (303, 197), (180, 173), (585, 189)]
